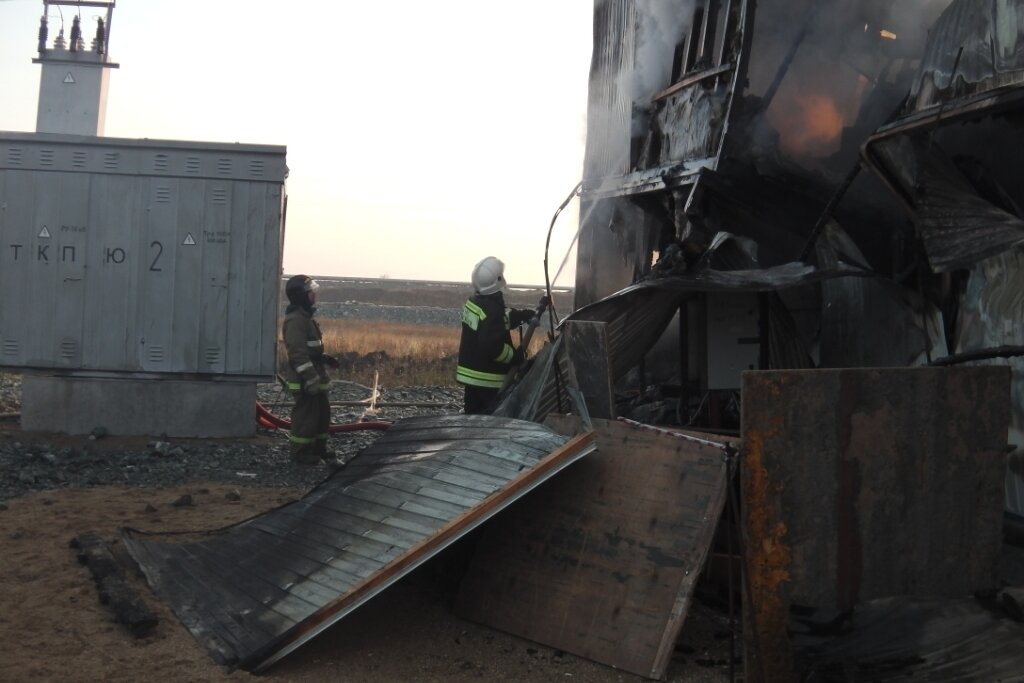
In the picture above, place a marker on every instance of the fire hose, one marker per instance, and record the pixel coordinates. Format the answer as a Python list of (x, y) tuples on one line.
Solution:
[(267, 419)]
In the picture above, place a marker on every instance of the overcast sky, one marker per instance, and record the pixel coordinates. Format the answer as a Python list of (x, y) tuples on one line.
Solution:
[(421, 136)]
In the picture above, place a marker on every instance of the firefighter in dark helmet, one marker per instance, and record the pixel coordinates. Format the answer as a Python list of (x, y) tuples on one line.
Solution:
[(306, 373), (486, 352)]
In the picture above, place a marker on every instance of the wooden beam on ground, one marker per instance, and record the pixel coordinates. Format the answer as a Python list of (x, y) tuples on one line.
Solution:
[(114, 590)]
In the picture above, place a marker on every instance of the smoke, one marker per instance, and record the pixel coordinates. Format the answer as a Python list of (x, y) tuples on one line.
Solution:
[(661, 25)]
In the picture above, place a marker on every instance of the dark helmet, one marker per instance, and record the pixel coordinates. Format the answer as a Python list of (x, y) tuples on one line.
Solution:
[(298, 287)]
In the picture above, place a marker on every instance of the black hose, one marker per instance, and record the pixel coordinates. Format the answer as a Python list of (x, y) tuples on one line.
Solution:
[(552, 316)]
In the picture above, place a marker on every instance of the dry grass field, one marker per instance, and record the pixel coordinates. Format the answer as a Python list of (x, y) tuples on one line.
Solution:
[(406, 353), (400, 353)]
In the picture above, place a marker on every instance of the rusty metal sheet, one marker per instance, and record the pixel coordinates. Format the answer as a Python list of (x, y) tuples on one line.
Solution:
[(865, 483), (254, 592), (602, 561)]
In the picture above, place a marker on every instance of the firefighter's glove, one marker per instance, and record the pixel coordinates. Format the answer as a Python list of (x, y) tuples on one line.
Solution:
[(545, 301), (518, 356), (331, 362), (311, 386)]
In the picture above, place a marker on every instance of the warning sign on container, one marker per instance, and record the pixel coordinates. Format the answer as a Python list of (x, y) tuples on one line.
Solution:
[(44, 232), (69, 78), (189, 239)]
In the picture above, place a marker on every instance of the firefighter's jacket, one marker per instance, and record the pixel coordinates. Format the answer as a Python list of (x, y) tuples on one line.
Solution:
[(485, 350), (304, 344)]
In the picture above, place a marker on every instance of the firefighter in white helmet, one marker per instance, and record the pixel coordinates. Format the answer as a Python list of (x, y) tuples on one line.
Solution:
[(306, 374), (486, 352)]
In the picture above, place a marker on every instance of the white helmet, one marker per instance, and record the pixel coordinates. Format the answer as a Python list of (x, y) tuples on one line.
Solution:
[(488, 276)]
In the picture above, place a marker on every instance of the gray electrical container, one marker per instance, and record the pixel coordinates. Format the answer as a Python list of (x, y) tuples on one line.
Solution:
[(137, 257)]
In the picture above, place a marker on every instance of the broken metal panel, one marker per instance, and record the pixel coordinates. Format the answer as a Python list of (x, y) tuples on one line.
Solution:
[(602, 561), (992, 315), (685, 126), (858, 312), (587, 350), (973, 47), (958, 227), (253, 592), (865, 483), (910, 640)]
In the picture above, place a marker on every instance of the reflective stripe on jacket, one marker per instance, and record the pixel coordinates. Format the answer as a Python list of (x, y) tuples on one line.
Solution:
[(485, 349), (304, 345)]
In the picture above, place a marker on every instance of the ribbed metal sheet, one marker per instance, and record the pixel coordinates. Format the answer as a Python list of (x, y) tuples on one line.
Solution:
[(973, 46), (142, 256), (254, 592)]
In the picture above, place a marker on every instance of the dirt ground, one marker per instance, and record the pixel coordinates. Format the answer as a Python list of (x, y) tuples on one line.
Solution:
[(53, 628)]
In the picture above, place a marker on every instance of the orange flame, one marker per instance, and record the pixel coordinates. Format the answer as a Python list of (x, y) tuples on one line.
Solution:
[(810, 126)]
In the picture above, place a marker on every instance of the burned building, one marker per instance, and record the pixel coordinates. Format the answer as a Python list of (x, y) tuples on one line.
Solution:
[(843, 160)]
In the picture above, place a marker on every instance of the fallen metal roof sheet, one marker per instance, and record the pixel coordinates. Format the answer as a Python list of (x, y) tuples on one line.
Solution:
[(255, 591)]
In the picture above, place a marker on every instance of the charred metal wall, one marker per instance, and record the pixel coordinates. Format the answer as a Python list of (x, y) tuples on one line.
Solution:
[(971, 50), (867, 483)]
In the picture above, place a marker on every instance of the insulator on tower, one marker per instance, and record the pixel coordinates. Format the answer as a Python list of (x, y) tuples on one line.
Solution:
[(43, 32)]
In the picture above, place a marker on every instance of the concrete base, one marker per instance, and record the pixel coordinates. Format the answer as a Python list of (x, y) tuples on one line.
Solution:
[(176, 408)]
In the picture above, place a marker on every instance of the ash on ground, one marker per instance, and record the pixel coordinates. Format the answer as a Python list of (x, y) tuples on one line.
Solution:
[(41, 461)]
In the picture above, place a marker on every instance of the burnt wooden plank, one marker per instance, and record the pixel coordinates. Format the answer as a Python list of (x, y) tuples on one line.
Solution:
[(114, 590), (601, 561)]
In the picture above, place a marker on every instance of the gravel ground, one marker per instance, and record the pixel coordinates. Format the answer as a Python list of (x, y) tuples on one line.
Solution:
[(38, 462)]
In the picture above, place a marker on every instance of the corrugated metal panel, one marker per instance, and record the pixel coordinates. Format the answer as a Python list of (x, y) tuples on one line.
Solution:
[(860, 484), (255, 591), (609, 115), (141, 255), (973, 46)]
